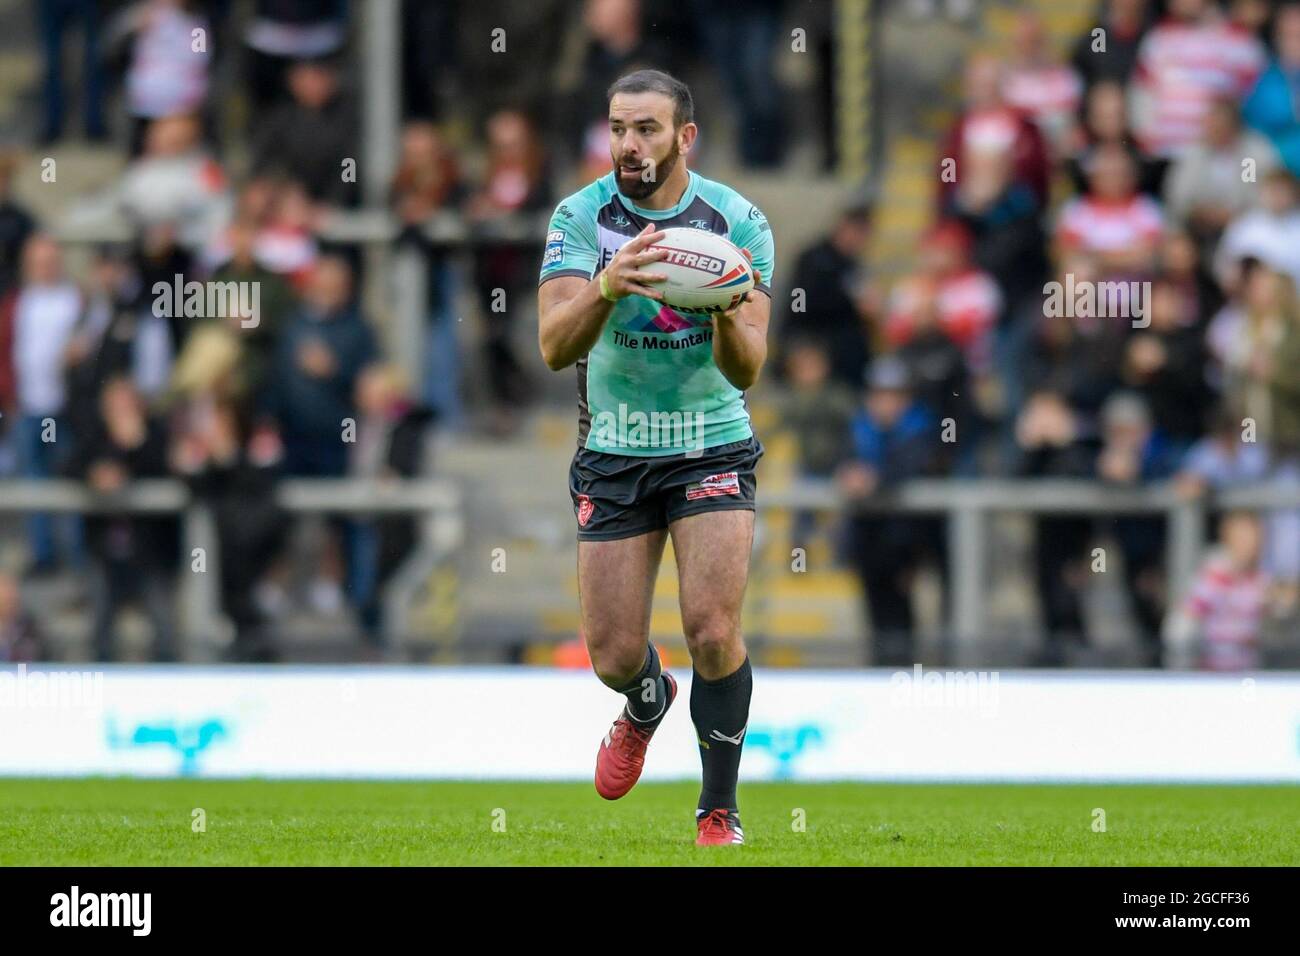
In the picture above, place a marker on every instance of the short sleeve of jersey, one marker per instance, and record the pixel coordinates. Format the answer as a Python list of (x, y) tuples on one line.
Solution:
[(571, 248), (752, 232)]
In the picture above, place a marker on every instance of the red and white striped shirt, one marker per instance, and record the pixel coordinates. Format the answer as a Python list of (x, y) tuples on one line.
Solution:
[(1049, 95), (1183, 66), (1229, 603), (1105, 225), (969, 304)]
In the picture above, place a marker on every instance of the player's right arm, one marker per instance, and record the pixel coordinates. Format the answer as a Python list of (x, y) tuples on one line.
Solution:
[(572, 310)]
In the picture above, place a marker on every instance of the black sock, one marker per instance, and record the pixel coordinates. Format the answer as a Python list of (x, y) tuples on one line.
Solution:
[(647, 693), (720, 712)]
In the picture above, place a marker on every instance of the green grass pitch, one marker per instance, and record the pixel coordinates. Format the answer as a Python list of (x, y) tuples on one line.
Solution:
[(256, 822)]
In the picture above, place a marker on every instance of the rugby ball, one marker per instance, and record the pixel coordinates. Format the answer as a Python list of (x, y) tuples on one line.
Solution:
[(706, 273)]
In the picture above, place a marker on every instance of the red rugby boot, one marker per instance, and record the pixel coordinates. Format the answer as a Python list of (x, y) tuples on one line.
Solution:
[(718, 828), (622, 752)]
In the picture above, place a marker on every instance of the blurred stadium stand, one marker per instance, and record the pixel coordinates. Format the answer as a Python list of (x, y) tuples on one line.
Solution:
[(499, 458)]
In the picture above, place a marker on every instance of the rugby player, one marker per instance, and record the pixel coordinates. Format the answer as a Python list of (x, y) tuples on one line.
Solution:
[(665, 445)]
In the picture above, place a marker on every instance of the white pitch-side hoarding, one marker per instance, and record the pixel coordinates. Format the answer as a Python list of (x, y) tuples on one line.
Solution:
[(525, 723)]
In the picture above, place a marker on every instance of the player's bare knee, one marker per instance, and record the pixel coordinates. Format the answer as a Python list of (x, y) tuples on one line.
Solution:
[(712, 639), (618, 662)]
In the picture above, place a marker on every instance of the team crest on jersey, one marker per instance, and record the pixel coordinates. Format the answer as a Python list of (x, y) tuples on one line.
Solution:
[(585, 509), (727, 483), (554, 248)]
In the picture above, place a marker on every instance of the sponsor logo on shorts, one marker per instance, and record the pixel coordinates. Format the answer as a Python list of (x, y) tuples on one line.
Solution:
[(727, 483), (585, 508), (554, 248)]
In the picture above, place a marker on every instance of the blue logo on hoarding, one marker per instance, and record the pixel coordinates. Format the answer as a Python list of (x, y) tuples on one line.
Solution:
[(785, 744), (189, 740)]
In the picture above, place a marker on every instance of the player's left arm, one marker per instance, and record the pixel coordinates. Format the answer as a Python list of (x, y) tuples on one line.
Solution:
[(740, 335)]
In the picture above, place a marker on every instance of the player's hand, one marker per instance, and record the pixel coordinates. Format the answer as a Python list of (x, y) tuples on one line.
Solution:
[(624, 275), (748, 296)]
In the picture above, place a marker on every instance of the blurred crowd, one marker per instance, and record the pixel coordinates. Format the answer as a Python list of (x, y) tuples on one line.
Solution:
[(1159, 156), (1151, 172), (100, 384)]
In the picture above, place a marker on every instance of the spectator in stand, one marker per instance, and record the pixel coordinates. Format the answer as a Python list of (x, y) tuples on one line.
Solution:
[(1185, 62), (969, 301), (989, 124), (231, 358), (1113, 222), (428, 176), (16, 225), (274, 301), (1208, 187), (815, 409), (1259, 352), (937, 370), (1270, 232), (21, 638), (319, 355), (894, 438), (428, 58), (517, 181), (37, 324), (1229, 457), (282, 32), (309, 137), (741, 41), (55, 17), (616, 45), (393, 442), (427, 182), (1040, 85), (1006, 228), (1054, 441), (157, 257), (1164, 363), (1111, 56), (107, 342), (1252, 17), (1135, 452), (286, 240), (1273, 106), (522, 80), (1222, 459), (253, 204), (323, 346), (176, 181), (1181, 265), (168, 72), (1105, 123), (1220, 623), (836, 299), (232, 466), (132, 554), (1075, 351)]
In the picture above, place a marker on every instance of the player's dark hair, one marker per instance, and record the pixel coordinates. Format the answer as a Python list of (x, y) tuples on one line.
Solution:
[(656, 81)]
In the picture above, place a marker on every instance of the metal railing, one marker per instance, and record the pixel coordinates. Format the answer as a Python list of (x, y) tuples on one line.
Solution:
[(437, 504), (968, 506)]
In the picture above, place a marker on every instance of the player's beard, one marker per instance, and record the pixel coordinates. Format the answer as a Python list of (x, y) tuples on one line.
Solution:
[(640, 188)]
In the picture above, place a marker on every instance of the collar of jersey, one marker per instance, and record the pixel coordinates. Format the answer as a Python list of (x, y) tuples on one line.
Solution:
[(692, 187)]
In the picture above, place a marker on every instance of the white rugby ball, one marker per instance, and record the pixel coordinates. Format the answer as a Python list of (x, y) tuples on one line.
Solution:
[(706, 273)]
